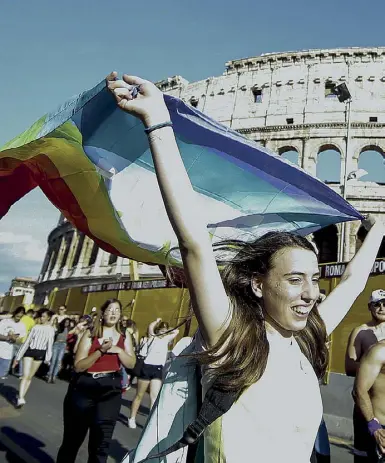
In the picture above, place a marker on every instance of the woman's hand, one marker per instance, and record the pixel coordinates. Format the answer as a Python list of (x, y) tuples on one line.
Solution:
[(15, 363), (115, 350), (106, 346), (369, 221), (148, 105)]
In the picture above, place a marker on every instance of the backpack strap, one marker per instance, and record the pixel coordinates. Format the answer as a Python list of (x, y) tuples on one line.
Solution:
[(217, 401)]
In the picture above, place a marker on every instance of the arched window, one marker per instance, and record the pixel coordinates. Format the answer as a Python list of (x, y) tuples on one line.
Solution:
[(361, 235), (78, 250), (326, 241), (372, 159), (290, 154), (329, 164), (112, 259), (68, 240), (93, 255)]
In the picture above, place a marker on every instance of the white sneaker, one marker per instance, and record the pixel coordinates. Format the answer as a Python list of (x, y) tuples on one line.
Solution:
[(20, 402), (132, 423)]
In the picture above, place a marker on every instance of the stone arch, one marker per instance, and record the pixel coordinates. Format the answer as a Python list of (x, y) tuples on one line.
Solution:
[(371, 158), (328, 168), (290, 153), (93, 254), (112, 258), (370, 145), (361, 235), (78, 251), (326, 241)]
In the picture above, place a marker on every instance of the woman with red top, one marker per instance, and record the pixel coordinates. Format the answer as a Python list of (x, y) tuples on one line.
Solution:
[(94, 395)]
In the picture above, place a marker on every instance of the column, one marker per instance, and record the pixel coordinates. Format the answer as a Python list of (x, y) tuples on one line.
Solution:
[(84, 256), (119, 265), (98, 261), (309, 156), (62, 248), (352, 241), (71, 254)]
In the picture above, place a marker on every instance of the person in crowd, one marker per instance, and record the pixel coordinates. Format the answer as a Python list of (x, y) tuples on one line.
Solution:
[(36, 349), (29, 321), (59, 316), (123, 323), (262, 334), (130, 329), (59, 349), (73, 339), (154, 349), (12, 330), (93, 399), (360, 341), (370, 398)]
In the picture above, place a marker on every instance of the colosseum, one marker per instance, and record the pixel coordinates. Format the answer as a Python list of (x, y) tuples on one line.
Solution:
[(287, 103)]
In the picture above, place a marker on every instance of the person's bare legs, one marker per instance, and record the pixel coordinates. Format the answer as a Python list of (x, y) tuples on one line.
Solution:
[(141, 390), (30, 367), (155, 386)]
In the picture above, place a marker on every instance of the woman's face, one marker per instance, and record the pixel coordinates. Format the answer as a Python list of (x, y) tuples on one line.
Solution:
[(66, 322), (112, 314), (291, 288)]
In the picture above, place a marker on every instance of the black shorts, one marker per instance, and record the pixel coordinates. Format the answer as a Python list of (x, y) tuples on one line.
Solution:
[(36, 354), (149, 372)]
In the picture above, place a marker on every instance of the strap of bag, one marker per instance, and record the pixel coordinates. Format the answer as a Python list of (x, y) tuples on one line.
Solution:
[(215, 404)]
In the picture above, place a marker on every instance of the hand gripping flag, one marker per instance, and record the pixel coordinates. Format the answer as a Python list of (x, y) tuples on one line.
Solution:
[(93, 163)]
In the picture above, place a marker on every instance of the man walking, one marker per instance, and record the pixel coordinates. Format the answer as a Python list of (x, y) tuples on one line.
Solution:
[(370, 398), (360, 341)]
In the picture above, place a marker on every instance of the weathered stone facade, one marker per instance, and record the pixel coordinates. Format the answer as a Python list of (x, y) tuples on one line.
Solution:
[(283, 101)]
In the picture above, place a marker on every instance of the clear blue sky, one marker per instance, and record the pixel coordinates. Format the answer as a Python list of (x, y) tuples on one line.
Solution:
[(51, 50)]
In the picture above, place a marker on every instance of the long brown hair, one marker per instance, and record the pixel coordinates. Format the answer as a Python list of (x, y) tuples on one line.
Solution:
[(239, 358), (97, 330)]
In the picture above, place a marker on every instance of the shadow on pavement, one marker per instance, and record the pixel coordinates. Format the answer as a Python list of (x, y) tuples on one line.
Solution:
[(20, 447), (347, 447), (9, 393), (117, 451)]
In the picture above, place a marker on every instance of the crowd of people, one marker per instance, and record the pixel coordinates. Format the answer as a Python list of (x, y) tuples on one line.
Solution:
[(97, 354)]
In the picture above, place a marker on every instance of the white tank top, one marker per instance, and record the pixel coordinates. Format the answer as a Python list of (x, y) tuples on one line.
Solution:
[(277, 418)]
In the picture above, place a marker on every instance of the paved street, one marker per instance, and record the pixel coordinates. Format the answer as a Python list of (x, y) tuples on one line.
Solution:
[(33, 433)]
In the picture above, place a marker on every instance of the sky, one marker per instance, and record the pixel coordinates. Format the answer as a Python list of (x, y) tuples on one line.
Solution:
[(53, 50)]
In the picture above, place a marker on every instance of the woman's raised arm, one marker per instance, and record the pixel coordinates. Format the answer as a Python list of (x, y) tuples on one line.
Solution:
[(207, 293), (353, 281)]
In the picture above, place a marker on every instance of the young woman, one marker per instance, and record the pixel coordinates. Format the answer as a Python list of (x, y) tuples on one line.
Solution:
[(262, 332), (155, 349), (58, 349), (93, 399), (36, 349)]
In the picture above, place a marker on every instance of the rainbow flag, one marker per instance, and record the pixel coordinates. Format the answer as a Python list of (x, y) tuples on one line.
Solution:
[(93, 163)]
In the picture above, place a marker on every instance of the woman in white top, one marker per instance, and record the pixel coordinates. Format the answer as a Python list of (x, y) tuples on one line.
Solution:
[(155, 350), (263, 333), (36, 349)]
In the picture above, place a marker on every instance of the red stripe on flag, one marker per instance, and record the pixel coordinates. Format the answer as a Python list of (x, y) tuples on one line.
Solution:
[(17, 178)]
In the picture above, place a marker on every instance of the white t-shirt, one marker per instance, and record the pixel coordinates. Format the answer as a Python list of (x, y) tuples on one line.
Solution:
[(277, 418), (8, 326), (157, 350)]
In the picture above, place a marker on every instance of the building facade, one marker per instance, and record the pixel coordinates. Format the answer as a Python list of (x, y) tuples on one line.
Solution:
[(285, 102), (23, 286)]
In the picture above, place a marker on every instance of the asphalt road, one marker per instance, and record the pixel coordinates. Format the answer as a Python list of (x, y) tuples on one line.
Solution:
[(33, 434)]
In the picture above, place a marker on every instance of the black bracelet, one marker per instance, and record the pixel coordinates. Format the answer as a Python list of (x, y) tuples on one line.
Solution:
[(158, 126)]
